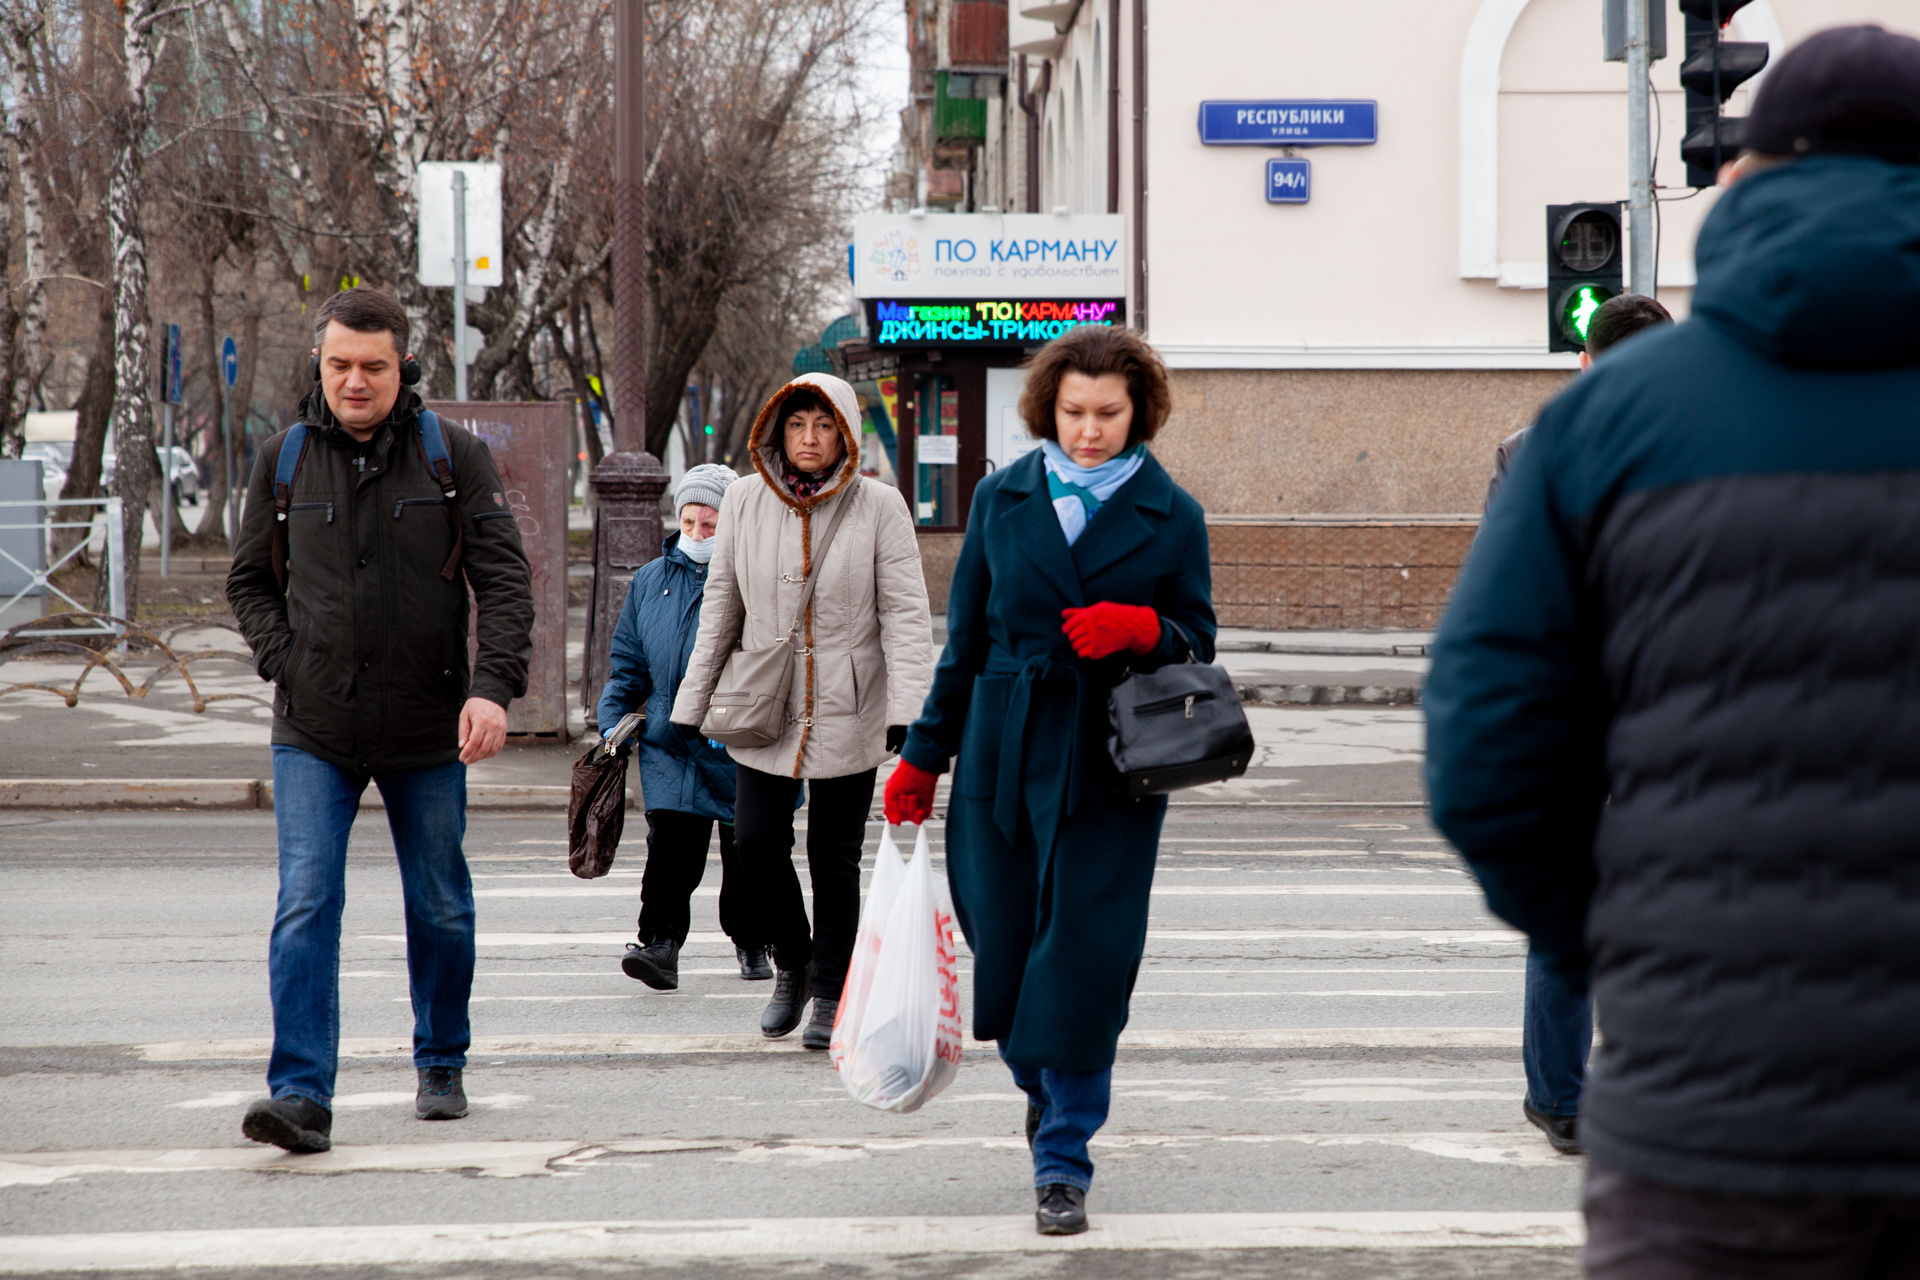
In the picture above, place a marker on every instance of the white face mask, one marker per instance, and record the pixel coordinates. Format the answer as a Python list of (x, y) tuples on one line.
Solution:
[(699, 552)]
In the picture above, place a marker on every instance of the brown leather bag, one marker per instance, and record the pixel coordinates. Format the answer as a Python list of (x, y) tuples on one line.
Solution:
[(749, 703), (597, 805)]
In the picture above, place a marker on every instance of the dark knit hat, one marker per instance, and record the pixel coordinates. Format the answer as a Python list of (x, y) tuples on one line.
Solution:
[(1846, 91)]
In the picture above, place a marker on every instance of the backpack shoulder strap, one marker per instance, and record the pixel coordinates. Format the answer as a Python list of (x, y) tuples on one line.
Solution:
[(433, 450), (293, 451)]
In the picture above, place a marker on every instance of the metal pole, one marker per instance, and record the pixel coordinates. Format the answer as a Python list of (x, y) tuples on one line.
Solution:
[(1640, 262), (115, 549), (166, 492), (629, 228), (226, 436), (459, 285)]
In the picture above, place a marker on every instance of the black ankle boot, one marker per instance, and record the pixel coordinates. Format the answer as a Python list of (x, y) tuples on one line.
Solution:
[(791, 988), (819, 1032), (1061, 1210), (1034, 1113), (657, 964), (754, 965)]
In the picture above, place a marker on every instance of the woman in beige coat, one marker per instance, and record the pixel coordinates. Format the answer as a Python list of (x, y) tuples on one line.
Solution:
[(862, 670)]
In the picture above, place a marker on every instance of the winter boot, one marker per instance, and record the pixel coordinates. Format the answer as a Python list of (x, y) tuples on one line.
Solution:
[(657, 964), (754, 965), (819, 1032), (791, 987)]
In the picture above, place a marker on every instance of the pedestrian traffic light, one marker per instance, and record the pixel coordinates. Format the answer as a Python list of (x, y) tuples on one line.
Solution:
[(1714, 68), (1583, 268)]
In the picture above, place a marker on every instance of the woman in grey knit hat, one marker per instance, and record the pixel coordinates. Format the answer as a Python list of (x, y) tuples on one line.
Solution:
[(686, 785)]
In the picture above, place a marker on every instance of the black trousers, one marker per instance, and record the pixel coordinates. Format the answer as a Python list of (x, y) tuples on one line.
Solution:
[(676, 859), (1640, 1230), (763, 808)]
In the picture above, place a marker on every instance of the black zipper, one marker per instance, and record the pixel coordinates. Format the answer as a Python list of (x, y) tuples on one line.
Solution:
[(493, 515), (1171, 704), (415, 502), (314, 506)]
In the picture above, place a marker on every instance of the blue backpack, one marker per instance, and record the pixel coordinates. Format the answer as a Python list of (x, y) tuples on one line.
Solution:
[(433, 451)]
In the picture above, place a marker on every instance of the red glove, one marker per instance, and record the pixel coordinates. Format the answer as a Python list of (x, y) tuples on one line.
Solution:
[(1104, 629), (909, 796)]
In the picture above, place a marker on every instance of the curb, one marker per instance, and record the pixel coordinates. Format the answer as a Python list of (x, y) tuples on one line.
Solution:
[(231, 793), (1327, 695)]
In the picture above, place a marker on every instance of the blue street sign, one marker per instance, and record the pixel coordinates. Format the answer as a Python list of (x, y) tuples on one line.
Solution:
[(1289, 181), (1303, 123), (230, 361), (173, 364)]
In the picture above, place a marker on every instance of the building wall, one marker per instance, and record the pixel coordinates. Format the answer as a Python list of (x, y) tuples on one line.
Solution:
[(1345, 440), (1362, 352)]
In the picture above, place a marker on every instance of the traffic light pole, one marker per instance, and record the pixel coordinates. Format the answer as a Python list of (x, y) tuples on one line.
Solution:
[(1640, 250)]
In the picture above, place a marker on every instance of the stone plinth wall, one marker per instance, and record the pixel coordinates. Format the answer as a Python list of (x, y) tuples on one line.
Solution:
[(939, 552), (1287, 573), (1335, 573)]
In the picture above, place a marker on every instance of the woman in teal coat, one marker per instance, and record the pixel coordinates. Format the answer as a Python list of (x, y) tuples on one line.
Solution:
[(1082, 561)]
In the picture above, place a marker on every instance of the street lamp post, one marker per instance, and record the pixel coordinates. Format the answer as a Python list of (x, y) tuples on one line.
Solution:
[(628, 483)]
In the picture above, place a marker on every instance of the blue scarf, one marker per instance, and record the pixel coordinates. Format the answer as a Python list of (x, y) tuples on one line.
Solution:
[(1078, 491)]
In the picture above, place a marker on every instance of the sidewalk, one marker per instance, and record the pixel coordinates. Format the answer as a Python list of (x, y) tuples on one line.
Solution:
[(112, 750)]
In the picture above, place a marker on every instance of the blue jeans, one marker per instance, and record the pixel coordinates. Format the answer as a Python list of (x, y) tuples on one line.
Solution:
[(1074, 1106), (314, 804), (1556, 1038)]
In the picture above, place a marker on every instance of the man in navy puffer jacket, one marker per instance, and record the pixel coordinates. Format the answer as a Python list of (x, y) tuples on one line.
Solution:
[(1674, 711), (685, 784)]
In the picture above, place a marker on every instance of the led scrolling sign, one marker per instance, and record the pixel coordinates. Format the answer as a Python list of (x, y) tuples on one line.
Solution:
[(986, 322)]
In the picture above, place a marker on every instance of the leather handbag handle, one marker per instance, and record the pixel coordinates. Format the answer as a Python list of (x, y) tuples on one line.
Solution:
[(820, 558)]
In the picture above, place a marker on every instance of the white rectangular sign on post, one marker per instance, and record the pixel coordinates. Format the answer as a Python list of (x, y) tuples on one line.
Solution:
[(485, 243), (989, 255)]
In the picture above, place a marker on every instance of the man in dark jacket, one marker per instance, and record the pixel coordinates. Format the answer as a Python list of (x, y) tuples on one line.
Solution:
[(686, 782), (1674, 712), (354, 598), (1557, 1023)]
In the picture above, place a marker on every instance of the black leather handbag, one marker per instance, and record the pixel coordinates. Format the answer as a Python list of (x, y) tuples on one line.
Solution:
[(1178, 727)]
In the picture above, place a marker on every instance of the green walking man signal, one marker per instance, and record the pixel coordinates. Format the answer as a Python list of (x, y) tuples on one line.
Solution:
[(1585, 257)]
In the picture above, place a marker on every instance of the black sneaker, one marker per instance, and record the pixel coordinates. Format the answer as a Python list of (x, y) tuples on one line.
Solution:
[(1034, 1112), (791, 987), (754, 965), (298, 1124), (1563, 1132), (657, 964), (819, 1032), (441, 1095), (1061, 1210)]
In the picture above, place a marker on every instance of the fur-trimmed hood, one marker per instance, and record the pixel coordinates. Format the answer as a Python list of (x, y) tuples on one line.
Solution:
[(765, 444)]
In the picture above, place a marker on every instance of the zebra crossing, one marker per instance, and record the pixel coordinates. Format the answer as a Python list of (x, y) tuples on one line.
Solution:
[(1322, 1064)]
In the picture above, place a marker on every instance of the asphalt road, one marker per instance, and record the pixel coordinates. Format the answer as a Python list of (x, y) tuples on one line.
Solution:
[(1321, 1076)]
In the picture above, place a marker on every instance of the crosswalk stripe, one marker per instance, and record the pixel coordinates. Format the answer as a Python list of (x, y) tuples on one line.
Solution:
[(507, 1159), (764, 1237), (749, 1042), (699, 942), (1159, 891)]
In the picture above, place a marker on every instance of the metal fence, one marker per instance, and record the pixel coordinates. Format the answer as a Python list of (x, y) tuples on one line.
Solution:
[(41, 516)]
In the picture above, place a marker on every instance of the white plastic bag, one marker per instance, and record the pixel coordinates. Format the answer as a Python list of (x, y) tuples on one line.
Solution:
[(896, 1036)]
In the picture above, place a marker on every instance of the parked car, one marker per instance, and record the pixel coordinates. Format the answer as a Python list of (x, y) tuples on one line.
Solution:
[(55, 458), (185, 477)]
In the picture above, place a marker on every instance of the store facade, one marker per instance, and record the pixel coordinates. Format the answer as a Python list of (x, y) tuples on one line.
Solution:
[(953, 304)]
